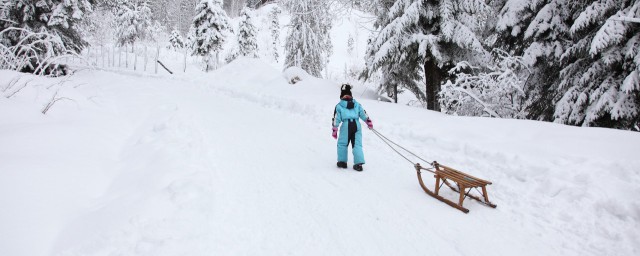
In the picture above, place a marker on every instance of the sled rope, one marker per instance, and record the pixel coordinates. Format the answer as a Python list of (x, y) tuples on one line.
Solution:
[(389, 142)]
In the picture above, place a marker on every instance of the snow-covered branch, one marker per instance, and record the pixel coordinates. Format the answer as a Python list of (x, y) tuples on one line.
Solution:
[(35, 51), (494, 90)]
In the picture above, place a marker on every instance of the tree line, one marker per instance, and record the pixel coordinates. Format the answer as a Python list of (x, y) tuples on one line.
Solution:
[(566, 61)]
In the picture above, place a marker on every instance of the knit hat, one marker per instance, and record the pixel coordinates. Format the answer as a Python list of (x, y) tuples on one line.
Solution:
[(345, 90)]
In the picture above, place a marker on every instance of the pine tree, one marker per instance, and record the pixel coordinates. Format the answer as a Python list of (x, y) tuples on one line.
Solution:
[(274, 27), (36, 32), (424, 35), (600, 83), (350, 44), (175, 40), (133, 20), (55, 17), (247, 41), (308, 44), (209, 27)]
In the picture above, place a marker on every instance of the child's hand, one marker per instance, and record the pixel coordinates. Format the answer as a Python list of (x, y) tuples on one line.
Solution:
[(335, 133), (369, 124)]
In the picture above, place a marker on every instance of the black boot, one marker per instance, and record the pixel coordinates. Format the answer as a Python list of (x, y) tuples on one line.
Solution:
[(342, 164), (358, 167)]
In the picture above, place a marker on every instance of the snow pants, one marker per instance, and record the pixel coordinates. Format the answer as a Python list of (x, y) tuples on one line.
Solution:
[(350, 133)]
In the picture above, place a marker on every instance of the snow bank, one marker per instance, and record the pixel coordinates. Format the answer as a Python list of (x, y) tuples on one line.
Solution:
[(295, 75)]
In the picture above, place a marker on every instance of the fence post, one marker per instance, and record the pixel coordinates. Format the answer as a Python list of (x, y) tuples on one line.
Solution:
[(217, 59), (156, 59), (119, 57), (102, 54), (126, 57), (135, 58), (185, 60), (146, 58)]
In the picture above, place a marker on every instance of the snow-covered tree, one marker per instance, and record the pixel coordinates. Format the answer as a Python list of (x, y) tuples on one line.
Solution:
[(133, 20), (157, 32), (492, 90), (600, 83), (418, 40), (33, 33), (175, 40), (274, 27), (247, 35), (56, 17), (99, 27), (190, 42), (308, 44), (209, 27), (350, 44)]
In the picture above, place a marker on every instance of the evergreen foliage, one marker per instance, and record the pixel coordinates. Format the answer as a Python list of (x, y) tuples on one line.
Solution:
[(209, 27), (176, 40), (133, 20), (274, 27), (247, 35), (308, 43), (600, 79), (577, 60), (59, 18), (417, 40)]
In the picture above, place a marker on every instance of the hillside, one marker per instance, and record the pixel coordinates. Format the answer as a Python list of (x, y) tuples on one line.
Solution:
[(230, 163), (117, 161)]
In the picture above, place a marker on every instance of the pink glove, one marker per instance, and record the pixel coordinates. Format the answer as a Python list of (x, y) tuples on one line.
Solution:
[(335, 133), (369, 124)]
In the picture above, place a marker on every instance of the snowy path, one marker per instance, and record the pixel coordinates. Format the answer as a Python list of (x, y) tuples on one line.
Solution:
[(238, 164)]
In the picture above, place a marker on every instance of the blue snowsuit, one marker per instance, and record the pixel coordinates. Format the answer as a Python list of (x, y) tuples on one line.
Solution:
[(347, 113)]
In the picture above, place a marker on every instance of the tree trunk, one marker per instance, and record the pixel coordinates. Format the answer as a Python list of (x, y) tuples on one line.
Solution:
[(433, 79), (156, 59), (146, 58), (126, 57), (135, 58), (395, 93)]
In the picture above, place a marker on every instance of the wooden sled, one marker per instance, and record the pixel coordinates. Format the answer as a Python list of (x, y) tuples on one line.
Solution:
[(463, 184)]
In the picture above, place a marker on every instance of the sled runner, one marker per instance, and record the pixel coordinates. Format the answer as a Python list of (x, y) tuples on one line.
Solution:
[(463, 184)]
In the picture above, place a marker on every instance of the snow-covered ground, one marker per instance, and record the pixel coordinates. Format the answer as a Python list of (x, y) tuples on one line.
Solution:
[(239, 162), (242, 163)]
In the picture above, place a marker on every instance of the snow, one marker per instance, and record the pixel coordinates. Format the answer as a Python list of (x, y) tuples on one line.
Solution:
[(240, 162), (235, 162)]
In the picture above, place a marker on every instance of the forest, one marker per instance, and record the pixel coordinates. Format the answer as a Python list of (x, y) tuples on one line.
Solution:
[(573, 62)]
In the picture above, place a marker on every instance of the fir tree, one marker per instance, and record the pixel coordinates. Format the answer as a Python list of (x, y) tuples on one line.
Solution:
[(274, 27), (247, 41), (59, 18), (175, 40), (600, 81), (308, 43), (350, 44), (133, 20), (424, 35), (209, 27)]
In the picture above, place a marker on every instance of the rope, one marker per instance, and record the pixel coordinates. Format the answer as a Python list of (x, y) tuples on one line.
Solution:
[(388, 141)]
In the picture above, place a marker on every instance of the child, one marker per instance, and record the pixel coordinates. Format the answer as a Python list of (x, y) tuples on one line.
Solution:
[(347, 113)]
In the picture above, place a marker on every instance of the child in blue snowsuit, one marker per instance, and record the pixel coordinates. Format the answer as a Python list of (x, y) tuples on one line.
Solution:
[(346, 115)]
